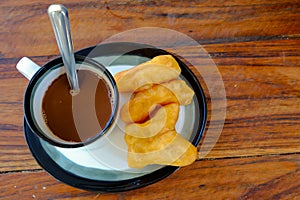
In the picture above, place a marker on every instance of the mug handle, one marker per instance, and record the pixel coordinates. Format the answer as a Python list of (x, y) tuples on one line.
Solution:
[(27, 67)]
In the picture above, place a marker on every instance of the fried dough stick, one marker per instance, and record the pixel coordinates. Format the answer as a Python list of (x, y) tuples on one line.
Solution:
[(145, 102), (163, 120), (168, 148), (160, 69)]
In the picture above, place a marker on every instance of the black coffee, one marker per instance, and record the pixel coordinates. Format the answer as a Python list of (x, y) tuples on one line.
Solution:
[(77, 118)]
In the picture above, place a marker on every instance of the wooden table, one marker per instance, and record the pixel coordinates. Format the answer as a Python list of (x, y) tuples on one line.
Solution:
[(256, 47)]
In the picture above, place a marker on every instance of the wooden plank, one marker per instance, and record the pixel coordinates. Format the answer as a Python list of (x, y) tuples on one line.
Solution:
[(256, 47), (14, 152), (94, 21), (272, 177), (262, 91)]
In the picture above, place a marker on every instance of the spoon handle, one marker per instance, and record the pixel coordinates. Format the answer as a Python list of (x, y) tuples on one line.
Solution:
[(59, 18)]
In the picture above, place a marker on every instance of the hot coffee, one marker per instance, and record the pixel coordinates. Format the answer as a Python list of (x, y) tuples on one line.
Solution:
[(79, 117)]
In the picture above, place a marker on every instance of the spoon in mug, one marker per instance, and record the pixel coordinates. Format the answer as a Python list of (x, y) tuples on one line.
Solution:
[(59, 18)]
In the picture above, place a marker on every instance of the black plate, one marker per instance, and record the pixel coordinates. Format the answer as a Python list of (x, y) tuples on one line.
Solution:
[(120, 50)]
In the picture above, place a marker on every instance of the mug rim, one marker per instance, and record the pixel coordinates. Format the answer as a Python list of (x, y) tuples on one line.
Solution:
[(29, 116)]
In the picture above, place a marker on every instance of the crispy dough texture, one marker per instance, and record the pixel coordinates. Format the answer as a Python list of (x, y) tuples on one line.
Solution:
[(163, 120), (144, 102), (168, 148), (160, 69), (151, 114), (181, 90)]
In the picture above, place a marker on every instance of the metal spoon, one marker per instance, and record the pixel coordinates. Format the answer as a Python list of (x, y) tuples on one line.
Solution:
[(59, 18)]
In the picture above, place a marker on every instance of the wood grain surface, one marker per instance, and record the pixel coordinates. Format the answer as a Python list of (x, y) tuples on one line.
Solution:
[(256, 47), (247, 178)]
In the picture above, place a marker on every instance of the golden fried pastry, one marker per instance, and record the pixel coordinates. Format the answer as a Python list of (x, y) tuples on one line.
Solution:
[(182, 91), (166, 60), (168, 148), (163, 120), (159, 69), (151, 114), (144, 102)]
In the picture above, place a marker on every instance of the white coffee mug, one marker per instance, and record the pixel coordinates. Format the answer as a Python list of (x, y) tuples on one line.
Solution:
[(42, 77)]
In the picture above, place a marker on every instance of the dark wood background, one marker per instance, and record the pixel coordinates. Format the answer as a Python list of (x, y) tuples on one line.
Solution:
[(256, 47)]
